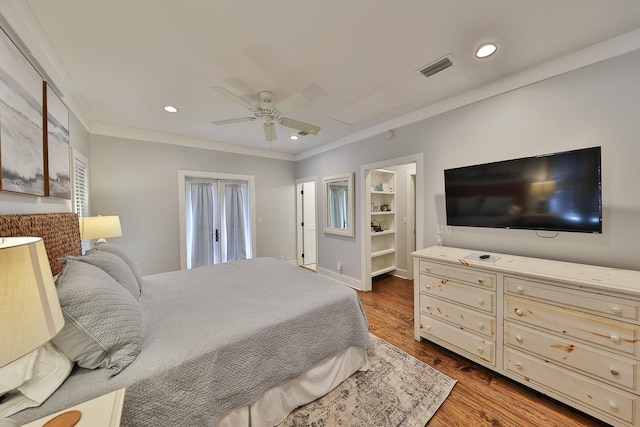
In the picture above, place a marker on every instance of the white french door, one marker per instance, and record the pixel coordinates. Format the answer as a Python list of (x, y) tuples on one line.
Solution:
[(217, 221)]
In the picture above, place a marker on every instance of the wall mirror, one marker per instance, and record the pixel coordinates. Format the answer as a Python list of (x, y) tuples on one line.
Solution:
[(338, 204)]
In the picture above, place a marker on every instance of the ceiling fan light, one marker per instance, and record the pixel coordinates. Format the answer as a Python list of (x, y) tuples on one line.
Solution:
[(270, 132), (170, 109), (486, 50)]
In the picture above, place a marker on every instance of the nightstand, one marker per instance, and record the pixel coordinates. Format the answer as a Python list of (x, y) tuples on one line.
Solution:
[(103, 411)]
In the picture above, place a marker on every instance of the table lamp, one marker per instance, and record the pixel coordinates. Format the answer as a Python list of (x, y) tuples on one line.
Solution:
[(30, 313), (100, 227)]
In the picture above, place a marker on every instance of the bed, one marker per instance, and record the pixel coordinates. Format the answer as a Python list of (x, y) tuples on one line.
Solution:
[(236, 344)]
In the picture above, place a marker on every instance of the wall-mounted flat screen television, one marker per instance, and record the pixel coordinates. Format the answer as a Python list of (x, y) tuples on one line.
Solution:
[(556, 192)]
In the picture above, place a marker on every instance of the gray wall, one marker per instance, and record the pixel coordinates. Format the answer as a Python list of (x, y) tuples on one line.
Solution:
[(138, 181), (594, 106), (402, 229)]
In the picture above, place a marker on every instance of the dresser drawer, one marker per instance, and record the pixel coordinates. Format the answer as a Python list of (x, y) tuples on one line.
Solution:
[(459, 274), (615, 403), (473, 346), (607, 333), (468, 320), (606, 305), (477, 298), (614, 369)]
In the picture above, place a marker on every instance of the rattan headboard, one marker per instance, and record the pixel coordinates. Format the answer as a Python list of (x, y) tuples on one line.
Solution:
[(59, 231)]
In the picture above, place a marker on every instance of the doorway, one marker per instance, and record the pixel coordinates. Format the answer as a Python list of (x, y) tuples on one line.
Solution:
[(217, 221), (306, 247), (409, 229)]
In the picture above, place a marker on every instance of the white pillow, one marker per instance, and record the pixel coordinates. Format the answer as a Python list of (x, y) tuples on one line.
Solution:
[(30, 380)]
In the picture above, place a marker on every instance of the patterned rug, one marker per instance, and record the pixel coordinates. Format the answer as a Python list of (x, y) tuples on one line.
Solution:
[(397, 390)]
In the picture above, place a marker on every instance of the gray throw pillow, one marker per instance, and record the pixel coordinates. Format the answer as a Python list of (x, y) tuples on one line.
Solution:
[(118, 250), (103, 321), (114, 266)]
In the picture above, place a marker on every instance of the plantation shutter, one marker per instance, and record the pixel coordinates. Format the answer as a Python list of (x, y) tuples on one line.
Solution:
[(80, 185)]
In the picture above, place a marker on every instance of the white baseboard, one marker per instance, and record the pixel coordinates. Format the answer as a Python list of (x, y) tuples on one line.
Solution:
[(346, 280), (400, 273)]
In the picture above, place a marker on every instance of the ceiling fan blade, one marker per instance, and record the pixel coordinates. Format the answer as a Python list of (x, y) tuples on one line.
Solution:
[(238, 120), (234, 98), (291, 103), (301, 126), (270, 132)]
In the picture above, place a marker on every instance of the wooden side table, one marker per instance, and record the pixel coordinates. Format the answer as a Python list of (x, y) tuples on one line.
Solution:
[(103, 411)]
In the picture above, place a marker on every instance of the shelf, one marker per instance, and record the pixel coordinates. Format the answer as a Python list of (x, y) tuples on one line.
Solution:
[(382, 244), (382, 271), (382, 233), (381, 253)]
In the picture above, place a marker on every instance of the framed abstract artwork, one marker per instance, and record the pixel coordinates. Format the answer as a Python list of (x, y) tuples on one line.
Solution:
[(56, 135), (22, 159)]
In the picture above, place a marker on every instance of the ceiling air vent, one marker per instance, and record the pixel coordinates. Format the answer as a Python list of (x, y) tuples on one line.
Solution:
[(436, 67)]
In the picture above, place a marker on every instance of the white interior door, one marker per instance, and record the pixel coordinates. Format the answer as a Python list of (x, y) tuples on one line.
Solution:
[(309, 224), (306, 247)]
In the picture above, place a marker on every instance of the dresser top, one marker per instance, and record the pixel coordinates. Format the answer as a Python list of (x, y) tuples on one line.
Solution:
[(595, 277)]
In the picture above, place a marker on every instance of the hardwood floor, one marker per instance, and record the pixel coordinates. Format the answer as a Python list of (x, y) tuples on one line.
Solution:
[(481, 397)]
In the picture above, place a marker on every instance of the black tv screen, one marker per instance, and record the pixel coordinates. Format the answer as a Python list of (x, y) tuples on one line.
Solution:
[(556, 192)]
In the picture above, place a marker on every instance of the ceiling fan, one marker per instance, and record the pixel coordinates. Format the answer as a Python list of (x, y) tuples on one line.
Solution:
[(270, 113)]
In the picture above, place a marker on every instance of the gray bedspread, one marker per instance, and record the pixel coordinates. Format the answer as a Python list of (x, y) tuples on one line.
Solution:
[(217, 337)]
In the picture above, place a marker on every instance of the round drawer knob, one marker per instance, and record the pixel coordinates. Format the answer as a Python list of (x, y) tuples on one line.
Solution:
[(519, 365), (520, 290), (480, 301), (428, 307), (519, 338), (480, 350), (444, 281), (616, 310), (480, 325), (427, 269), (519, 312), (615, 339), (614, 372), (480, 281), (613, 405), (428, 327), (428, 286)]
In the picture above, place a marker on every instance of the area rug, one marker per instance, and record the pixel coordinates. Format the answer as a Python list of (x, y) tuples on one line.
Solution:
[(397, 390)]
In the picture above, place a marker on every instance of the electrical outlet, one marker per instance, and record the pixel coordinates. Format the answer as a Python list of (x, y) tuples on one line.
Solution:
[(444, 230), (339, 266)]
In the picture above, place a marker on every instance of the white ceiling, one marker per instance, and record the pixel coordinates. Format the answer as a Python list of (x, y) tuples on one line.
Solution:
[(118, 62)]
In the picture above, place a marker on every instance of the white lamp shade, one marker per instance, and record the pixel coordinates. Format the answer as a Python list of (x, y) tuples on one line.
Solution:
[(100, 227), (30, 313)]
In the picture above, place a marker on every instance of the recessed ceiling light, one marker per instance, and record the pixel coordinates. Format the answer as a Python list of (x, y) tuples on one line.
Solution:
[(293, 137), (486, 49), (170, 109)]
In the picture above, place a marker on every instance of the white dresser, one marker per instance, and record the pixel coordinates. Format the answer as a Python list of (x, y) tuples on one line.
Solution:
[(568, 330)]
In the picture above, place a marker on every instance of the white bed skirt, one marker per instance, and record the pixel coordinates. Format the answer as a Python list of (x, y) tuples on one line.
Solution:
[(273, 406)]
